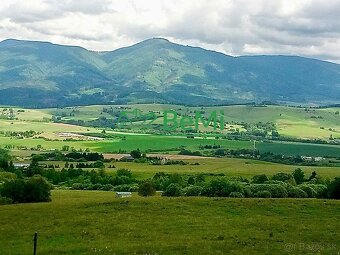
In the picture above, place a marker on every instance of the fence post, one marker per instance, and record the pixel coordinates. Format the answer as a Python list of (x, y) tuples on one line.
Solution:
[(35, 241)]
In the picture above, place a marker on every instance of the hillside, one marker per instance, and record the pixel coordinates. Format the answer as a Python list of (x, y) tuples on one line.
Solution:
[(42, 74)]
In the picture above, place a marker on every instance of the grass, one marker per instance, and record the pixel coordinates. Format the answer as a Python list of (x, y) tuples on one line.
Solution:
[(227, 166), (290, 121), (91, 222), (306, 149)]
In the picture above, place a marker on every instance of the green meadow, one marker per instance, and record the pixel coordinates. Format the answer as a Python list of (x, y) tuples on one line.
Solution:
[(92, 222), (293, 122), (228, 166)]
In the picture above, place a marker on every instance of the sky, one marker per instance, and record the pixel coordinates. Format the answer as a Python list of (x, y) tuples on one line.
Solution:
[(308, 28)]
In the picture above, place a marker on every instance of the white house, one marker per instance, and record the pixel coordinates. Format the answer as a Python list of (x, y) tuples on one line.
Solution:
[(123, 194)]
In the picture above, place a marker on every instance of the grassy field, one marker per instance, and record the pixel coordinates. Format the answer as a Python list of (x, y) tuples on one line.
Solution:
[(295, 122), (91, 222), (227, 166), (290, 121), (306, 149)]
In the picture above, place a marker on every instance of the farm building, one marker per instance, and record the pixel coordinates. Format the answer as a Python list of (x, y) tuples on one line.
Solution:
[(21, 165), (123, 194), (127, 158)]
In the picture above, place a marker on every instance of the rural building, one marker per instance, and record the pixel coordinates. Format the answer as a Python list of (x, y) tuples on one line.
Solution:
[(123, 194), (127, 158), (21, 165)]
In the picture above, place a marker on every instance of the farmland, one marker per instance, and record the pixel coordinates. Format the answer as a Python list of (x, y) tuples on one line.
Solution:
[(285, 119), (64, 140), (228, 166), (102, 224)]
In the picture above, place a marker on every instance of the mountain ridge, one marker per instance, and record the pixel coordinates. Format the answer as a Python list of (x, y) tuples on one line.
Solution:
[(43, 74)]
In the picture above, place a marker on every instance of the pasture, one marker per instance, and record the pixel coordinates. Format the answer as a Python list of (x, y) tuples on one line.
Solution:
[(228, 166), (93, 222)]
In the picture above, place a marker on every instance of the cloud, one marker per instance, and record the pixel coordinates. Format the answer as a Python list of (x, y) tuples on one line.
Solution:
[(306, 27)]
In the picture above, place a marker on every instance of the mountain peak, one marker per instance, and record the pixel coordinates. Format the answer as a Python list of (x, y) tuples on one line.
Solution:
[(50, 75)]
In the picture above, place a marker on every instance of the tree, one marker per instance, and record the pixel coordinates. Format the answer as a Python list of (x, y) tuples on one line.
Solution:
[(34, 168), (37, 189), (313, 175), (136, 154), (34, 189), (334, 189), (146, 189), (298, 175)]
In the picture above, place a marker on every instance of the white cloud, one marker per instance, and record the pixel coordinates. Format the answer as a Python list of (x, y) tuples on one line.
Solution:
[(236, 27)]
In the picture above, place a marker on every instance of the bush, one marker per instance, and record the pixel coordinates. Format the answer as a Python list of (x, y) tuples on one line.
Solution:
[(263, 194), (296, 192), (236, 194), (122, 179), (334, 189), (125, 188), (173, 190), (146, 189), (34, 189), (78, 186), (311, 193), (247, 192), (259, 179), (288, 178), (320, 189), (107, 187), (221, 187), (5, 201), (124, 172), (6, 176), (276, 190), (192, 191)]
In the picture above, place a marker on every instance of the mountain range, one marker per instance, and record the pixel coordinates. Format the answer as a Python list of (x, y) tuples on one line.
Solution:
[(42, 74)]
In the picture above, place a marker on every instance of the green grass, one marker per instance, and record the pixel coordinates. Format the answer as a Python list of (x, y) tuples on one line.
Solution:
[(91, 222), (305, 149), (227, 166), (290, 121), (295, 122)]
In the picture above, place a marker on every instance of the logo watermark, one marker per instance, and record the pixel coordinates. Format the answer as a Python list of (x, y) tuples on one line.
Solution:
[(174, 120)]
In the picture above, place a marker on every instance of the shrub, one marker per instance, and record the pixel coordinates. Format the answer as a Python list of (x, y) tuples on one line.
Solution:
[(77, 186), (276, 190), (236, 194), (124, 172), (123, 188), (107, 187), (259, 179), (284, 177), (173, 190), (311, 193), (133, 188), (146, 189), (5, 176), (247, 192), (192, 191), (221, 187), (296, 192), (34, 189), (320, 189), (122, 179), (263, 194), (5, 201), (334, 189)]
